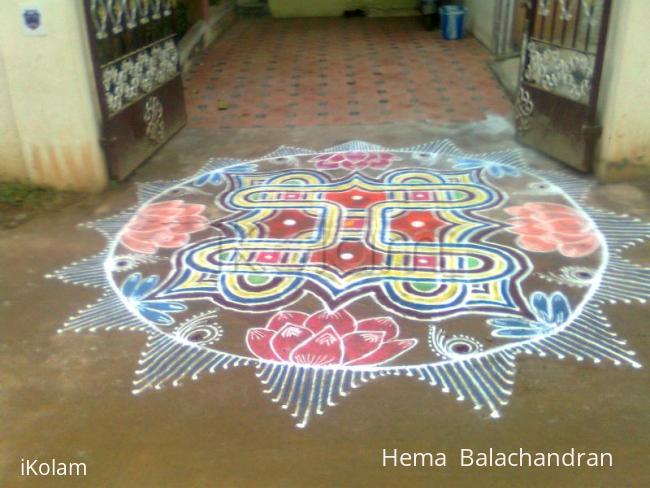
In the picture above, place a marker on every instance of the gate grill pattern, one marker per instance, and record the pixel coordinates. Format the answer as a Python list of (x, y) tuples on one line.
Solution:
[(136, 61), (126, 14), (563, 47), (561, 67)]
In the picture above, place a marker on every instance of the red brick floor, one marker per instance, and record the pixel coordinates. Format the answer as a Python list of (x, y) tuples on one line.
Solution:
[(308, 72)]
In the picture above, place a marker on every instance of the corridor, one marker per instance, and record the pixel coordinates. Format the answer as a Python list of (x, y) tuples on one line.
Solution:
[(315, 72)]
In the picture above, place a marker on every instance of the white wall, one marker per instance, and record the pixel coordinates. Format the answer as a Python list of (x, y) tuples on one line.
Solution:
[(50, 134), (625, 94), (481, 17)]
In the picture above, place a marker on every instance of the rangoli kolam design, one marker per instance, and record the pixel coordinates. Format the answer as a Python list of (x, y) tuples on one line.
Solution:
[(325, 270)]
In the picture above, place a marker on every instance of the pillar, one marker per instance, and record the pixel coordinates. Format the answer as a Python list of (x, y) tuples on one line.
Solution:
[(52, 124)]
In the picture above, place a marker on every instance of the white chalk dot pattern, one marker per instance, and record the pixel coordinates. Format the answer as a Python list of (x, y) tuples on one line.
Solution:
[(468, 370)]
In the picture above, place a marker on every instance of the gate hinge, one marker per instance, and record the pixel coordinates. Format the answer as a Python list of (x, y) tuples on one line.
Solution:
[(592, 130)]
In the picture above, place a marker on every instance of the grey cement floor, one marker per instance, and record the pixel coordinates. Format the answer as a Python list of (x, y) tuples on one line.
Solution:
[(507, 72), (68, 396)]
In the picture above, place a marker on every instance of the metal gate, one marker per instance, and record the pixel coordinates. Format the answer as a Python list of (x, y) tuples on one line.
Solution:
[(137, 75), (562, 58)]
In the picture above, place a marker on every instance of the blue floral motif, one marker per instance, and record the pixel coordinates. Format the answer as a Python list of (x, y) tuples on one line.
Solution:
[(215, 177), (497, 170), (550, 311), (135, 288)]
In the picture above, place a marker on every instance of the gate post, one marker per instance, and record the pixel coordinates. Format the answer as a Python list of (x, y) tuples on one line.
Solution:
[(49, 89), (624, 149)]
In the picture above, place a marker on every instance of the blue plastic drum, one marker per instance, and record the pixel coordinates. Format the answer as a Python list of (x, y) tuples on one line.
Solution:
[(452, 21)]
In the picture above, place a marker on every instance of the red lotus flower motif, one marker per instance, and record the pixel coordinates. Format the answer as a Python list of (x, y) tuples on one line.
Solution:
[(327, 338), (165, 224), (546, 227), (354, 160)]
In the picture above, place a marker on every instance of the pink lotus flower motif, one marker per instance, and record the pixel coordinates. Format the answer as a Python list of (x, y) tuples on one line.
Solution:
[(327, 338), (165, 224), (547, 227), (354, 160)]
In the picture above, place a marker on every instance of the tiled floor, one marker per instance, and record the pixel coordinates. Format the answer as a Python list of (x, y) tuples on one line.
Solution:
[(308, 72)]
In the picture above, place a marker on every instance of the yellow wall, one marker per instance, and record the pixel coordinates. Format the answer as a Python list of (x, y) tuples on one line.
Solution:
[(50, 134), (625, 94), (12, 163), (335, 8)]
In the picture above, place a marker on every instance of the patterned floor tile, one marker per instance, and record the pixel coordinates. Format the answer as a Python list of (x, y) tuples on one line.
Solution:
[(309, 72)]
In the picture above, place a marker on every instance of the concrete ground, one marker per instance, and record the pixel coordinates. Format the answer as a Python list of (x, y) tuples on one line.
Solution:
[(68, 396), (507, 72)]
